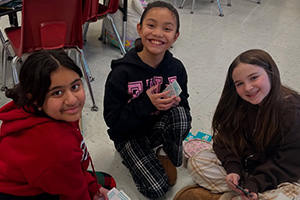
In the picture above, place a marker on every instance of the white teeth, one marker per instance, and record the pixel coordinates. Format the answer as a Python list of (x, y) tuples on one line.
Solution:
[(155, 42)]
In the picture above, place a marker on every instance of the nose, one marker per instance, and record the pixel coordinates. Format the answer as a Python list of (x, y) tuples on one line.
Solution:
[(248, 87), (157, 32), (70, 98)]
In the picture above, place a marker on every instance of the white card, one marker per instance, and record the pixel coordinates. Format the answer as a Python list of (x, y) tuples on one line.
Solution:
[(175, 89), (115, 194)]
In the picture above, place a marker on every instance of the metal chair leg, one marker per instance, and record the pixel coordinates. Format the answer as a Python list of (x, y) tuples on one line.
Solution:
[(181, 4), (3, 43), (14, 64), (123, 51), (229, 3), (193, 6), (87, 79), (4, 65), (103, 34), (74, 55), (85, 30), (124, 33), (220, 9)]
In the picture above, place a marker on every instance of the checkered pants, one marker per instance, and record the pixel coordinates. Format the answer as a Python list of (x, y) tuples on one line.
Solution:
[(139, 157), (207, 171)]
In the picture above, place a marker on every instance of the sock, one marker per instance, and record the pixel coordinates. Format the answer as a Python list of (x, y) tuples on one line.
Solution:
[(162, 152)]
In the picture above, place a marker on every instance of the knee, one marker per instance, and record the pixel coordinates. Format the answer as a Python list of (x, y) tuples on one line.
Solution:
[(182, 116)]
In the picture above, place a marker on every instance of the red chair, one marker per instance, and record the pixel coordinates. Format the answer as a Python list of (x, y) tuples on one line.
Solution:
[(93, 10), (47, 25)]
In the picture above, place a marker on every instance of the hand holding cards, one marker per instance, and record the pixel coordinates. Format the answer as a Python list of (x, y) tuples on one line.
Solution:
[(174, 88)]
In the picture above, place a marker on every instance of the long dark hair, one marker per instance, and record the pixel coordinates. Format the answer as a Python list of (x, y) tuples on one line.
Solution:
[(156, 4), (231, 110), (35, 78)]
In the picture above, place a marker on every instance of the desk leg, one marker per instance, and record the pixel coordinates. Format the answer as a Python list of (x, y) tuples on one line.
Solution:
[(2, 37), (13, 19), (125, 9), (124, 33)]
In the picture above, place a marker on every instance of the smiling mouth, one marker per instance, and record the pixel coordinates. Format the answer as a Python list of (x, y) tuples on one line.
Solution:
[(71, 110), (156, 42), (253, 94)]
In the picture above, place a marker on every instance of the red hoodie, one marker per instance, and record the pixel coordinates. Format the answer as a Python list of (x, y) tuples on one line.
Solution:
[(42, 155)]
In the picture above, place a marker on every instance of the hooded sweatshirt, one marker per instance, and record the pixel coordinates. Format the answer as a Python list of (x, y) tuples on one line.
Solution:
[(128, 111), (280, 162), (42, 155)]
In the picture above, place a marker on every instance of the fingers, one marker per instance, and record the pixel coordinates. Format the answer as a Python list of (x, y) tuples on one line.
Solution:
[(103, 192), (232, 179), (152, 89), (161, 100), (164, 104)]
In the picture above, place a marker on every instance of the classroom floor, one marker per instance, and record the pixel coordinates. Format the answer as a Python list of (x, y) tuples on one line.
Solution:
[(207, 45)]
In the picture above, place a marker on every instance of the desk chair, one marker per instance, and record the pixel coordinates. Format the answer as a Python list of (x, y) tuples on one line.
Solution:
[(93, 10), (47, 25), (10, 9)]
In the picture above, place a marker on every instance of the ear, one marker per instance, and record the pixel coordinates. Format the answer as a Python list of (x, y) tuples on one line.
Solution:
[(176, 36), (29, 97), (139, 29)]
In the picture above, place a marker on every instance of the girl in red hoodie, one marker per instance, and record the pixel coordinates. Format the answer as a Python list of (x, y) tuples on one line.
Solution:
[(43, 154)]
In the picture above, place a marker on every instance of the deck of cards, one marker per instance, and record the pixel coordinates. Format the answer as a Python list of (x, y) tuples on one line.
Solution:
[(175, 89), (115, 194)]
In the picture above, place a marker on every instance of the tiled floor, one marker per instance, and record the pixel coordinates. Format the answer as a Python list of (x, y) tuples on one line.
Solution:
[(207, 45)]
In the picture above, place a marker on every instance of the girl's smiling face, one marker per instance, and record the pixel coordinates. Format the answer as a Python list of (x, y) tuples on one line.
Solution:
[(66, 96), (252, 82), (158, 31)]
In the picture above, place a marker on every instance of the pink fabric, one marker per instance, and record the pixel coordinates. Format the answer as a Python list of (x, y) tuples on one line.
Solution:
[(193, 146)]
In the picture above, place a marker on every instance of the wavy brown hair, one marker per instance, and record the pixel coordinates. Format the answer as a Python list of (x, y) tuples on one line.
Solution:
[(232, 109)]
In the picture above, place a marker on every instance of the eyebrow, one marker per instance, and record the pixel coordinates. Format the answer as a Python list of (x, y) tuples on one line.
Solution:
[(57, 87), (254, 73), (167, 23)]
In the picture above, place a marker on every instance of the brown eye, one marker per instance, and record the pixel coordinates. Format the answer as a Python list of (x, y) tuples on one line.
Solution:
[(76, 86), (57, 93)]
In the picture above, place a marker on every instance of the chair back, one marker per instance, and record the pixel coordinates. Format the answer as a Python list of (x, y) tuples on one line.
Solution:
[(92, 9), (50, 24), (89, 10), (113, 6)]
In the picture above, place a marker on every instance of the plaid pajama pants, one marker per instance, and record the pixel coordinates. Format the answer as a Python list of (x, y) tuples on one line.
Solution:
[(139, 157), (207, 171)]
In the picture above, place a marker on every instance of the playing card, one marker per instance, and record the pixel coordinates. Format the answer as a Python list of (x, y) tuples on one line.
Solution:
[(115, 194), (177, 88), (174, 88)]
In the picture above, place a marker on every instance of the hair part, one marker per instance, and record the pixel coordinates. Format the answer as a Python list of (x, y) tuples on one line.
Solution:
[(156, 4), (35, 78)]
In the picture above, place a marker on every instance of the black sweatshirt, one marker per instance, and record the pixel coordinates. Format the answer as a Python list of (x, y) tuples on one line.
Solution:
[(128, 111)]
